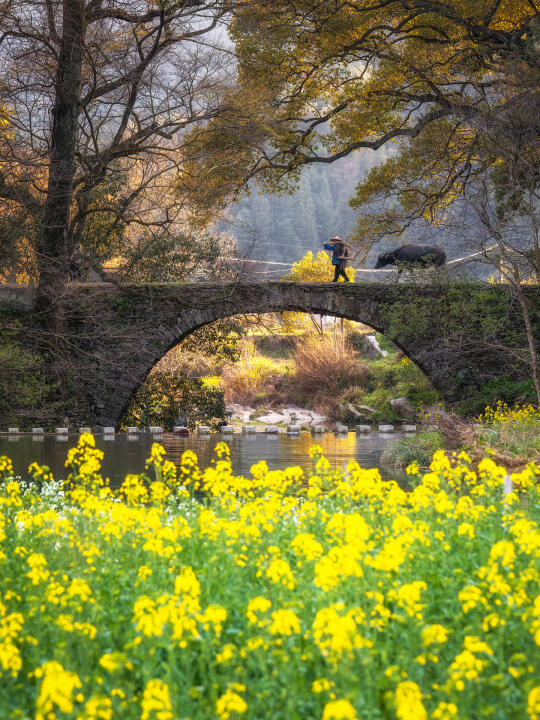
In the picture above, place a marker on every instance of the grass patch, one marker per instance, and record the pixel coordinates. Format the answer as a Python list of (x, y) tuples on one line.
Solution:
[(418, 448)]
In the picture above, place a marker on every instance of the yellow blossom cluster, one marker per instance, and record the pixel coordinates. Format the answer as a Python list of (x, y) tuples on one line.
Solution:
[(328, 594)]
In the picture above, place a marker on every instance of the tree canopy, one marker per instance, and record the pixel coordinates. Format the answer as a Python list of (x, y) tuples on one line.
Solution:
[(318, 81), (99, 94)]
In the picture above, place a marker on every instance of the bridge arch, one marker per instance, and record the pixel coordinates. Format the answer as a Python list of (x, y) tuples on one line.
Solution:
[(177, 341), (120, 334)]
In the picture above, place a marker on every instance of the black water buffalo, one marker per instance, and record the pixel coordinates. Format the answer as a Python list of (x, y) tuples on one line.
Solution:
[(422, 255)]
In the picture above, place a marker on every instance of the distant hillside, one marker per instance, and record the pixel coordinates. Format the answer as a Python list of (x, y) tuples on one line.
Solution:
[(283, 228)]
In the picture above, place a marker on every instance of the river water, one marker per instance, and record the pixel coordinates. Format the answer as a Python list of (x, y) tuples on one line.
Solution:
[(125, 454)]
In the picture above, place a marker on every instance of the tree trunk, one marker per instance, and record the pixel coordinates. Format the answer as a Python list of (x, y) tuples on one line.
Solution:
[(534, 229), (54, 249), (535, 370)]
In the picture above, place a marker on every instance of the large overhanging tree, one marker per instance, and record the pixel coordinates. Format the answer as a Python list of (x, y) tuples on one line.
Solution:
[(452, 86), (320, 80), (98, 95)]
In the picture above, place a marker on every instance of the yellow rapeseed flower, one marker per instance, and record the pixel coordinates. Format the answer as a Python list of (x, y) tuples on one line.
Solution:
[(56, 690), (339, 710), (285, 622), (408, 700), (230, 703), (156, 702), (533, 703), (434, 634)]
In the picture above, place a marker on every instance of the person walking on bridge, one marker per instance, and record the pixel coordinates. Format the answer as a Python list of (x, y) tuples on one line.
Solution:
[(339, 257)]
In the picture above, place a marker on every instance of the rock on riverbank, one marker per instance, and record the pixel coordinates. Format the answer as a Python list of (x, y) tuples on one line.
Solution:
[(289, 415)]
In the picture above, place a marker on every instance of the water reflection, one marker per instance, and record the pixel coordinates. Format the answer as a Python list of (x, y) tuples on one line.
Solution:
[(127, 454)]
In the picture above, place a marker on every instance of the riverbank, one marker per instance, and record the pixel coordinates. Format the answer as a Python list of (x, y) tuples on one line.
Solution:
[(354, 377)]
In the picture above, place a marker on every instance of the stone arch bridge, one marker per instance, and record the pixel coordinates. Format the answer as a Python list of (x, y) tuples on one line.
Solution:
[(457, 334)]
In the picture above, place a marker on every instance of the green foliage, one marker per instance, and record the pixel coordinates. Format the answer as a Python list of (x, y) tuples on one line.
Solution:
[(391, 378), (220, 340), (446, 310), (17, 238), (164, 396), (161, 257), (122, 307), (23, 387), (418, 448), (318, 81), (103, 226), (504, 388), (443, 308), (385, 343)]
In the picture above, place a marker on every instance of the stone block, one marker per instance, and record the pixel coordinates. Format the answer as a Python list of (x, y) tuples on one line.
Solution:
[(341, 428), (318, 429), (132, 430), (249, 429), (386, 428), (403, 407), (85, 430), (226, 429), (409, 428), (37, 431), (13, 431), (62, 430), (203, 430), (363, 429), (271, 430), (155, 430), (294, 429), (180, 430), (109, 430)]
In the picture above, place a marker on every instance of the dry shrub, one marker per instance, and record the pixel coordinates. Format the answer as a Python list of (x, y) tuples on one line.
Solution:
[(279, 344), (252, 378), (325, 368)]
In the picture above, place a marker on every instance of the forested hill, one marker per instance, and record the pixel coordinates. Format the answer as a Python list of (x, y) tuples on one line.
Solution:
[(283, 228)]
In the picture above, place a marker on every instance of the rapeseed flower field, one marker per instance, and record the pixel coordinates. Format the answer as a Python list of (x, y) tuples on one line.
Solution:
[(329, 595)]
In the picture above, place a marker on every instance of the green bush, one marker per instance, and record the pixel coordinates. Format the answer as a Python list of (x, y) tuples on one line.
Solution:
[(23, 387), (391, 378), (501, 389), (164, 396)]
